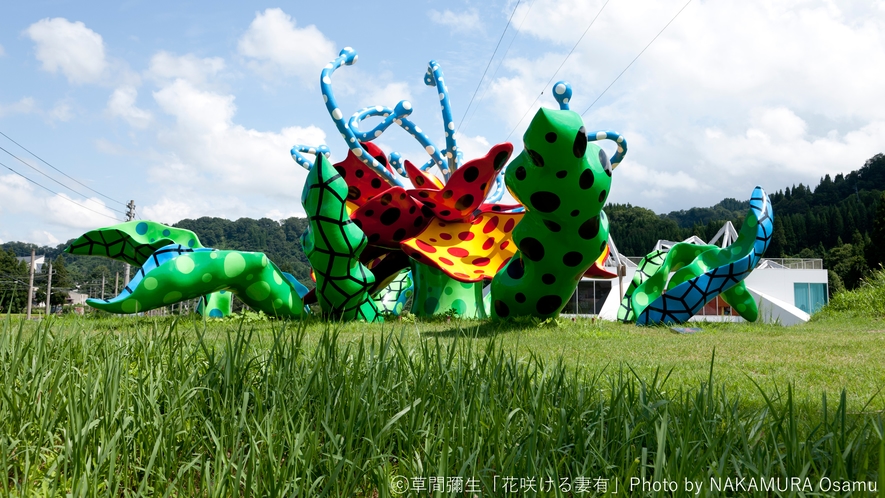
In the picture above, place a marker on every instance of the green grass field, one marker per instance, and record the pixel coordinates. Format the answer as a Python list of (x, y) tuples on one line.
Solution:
[(182, 407)]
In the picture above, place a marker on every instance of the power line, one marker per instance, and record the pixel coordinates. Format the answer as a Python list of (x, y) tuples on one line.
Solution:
[(60, 171), (56, 181), (56, 193), (500, 63), (489, 64), (634, 59), (559, 68)]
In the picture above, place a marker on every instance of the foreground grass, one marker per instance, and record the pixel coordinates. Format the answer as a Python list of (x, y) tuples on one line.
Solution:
[(164, 408)]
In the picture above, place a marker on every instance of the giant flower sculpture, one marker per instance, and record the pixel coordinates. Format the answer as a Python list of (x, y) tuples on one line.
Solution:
[(451, 230)]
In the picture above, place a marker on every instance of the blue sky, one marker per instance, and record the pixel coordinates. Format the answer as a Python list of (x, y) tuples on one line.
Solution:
[(190, 108)]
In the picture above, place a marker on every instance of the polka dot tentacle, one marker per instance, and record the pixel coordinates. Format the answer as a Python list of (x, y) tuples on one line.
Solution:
[(134, 242), (563, 182), (175, 273)]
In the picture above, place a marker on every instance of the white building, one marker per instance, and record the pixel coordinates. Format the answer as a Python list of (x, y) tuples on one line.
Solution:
[(787, 291)]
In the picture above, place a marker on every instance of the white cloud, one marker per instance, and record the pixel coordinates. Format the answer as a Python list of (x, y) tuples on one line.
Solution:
[(215, 167), (61, 112), (461, 22), (122, 104), (2, 52), (24, 106), (43, 238), (733, 94), (69, 47), (472, 147), (166, 67), (274, 43), (69, 215)]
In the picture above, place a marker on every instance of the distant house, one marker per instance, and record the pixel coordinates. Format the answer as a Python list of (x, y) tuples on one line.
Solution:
[(38, 262), (787, 290)]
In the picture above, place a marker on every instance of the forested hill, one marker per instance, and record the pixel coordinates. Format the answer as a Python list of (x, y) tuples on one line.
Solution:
[(805, 218)]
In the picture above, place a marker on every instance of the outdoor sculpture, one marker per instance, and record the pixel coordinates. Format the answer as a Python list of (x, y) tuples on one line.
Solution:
[(441, 240), (701, 274)]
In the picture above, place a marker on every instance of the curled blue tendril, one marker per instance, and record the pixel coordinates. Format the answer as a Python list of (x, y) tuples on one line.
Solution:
[(616, 138), (434, 77), (398, 116), (348, 56), (298, 150), (497, 192)]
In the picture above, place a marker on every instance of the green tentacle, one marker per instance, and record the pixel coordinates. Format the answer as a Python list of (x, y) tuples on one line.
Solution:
[(333, 245), (191, 274), (133, 242)]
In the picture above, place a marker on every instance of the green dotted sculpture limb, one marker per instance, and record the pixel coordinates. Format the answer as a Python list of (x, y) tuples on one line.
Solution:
[(393, 298), (687, 261), (133, 242), (436, 293), (333, 245), (176, 273), (216, 305), (563, 183)]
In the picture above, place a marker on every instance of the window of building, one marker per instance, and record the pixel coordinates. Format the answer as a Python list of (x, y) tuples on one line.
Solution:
[(588, 297), (809, 297)]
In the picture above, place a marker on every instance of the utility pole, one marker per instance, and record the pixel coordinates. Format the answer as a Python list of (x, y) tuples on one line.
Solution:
[(49, 291), (117, 284), (130, 215), (102, 285), (31, 284)]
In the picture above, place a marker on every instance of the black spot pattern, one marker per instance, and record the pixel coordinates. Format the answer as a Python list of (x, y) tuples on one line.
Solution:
[(548, 278), (536, 157), (448, 194), (589, 228), (550, 137), (520, 297), (545, 202), (369, 213), (471, 174), (602, 196), (561, 174), (419, 221), (516, 269), (532, 248), (552, 226), (353, 193), (390, 216), (575, 213), (376, 183), (606, 164), (359, 173), (587, 179), (501, 309), (399, 234), (548, 304), (500, 159), (572, 258), (341, 171), (579, 148), (464, 202), (520, 173)]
